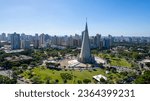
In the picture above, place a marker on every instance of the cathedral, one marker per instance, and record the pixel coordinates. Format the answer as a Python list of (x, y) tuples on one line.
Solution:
[(85, 54)]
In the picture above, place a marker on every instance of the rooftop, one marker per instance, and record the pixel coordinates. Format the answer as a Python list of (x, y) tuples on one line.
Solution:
[(98, 77)]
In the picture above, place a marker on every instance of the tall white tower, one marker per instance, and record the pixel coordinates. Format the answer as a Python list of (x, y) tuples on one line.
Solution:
[(85, 54)]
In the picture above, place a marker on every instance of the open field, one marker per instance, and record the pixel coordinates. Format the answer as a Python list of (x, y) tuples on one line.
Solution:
[(43, 74), (120, 62), (53, 75), (115, 61)]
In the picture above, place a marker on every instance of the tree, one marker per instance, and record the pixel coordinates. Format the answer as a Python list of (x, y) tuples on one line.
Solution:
[(66, 76), (14, 68), (27, 52), (102, 80), (36, 80), (56, 81), (79, 82), (24, 66), (47, 80), (86, 81), (7, 80), (147, 64), (101, 64), (65, 81), (143, 79), (33, 63), (7, 64)]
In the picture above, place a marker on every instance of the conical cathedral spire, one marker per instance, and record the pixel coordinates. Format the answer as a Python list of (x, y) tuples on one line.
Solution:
[(85, 54)]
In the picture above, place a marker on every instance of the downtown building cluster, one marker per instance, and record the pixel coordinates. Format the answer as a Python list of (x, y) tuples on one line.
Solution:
[(131, 39), (22, 41), (17, 41)]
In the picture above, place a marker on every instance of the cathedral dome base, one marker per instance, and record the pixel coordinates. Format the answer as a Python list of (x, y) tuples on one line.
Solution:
[(90, 60)]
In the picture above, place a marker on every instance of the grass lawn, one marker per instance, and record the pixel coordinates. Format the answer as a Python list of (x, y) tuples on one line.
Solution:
[(115, 61), (55, 75), (119, 62)]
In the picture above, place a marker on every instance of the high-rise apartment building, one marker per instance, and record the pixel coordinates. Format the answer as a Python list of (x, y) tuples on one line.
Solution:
[(15, 41), (25, 44), (106, 43), (97, 40), (36, 41), (42, 43)]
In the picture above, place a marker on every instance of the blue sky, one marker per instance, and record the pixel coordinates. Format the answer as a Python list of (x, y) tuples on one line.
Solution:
[(67, 17)]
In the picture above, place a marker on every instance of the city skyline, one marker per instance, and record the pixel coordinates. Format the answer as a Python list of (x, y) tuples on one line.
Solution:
[(67, 17)]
